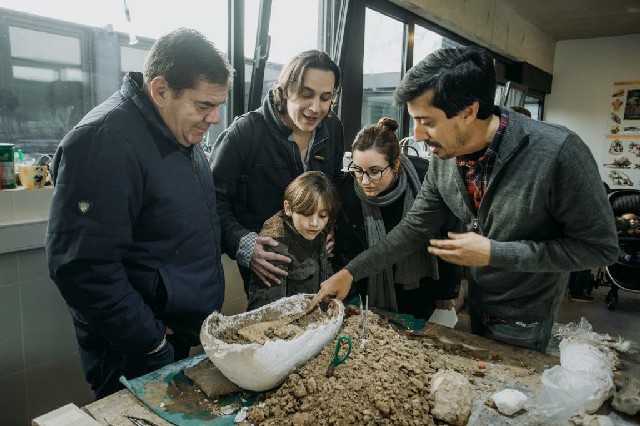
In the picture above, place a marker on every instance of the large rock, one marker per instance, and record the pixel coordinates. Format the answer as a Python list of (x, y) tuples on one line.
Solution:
[(627, 399), (451, 397)]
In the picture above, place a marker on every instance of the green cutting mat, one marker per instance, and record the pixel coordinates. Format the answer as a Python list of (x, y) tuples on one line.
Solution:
[(173, 396)]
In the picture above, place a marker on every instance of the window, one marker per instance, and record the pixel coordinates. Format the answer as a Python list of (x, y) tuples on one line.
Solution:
[(53, 71), (425, 42), (293, 28), (534, 103), (47, 92), (381, 69), (131, 59)]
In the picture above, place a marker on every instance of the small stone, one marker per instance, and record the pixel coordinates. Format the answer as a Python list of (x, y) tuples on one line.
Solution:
[(227, 409), (383, 407), (299, 390), (417, 383), (242, 415), (509, 401), (311, 385)]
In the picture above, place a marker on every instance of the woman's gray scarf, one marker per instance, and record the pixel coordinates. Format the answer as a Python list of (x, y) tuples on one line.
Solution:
[(409, 270)]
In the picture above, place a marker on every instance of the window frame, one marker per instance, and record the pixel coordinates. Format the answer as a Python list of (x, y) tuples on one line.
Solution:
[(17, 19)]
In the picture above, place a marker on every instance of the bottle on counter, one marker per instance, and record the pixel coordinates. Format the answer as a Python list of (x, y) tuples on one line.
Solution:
[(7, 169)]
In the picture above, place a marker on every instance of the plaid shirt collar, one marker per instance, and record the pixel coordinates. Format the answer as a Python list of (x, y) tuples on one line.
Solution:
[(476, 167)]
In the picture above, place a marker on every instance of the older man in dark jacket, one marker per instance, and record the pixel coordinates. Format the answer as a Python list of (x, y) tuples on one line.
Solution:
[(134, 238)]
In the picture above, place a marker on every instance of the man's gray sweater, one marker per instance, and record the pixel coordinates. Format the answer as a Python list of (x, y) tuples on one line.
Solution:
[(545, 211)]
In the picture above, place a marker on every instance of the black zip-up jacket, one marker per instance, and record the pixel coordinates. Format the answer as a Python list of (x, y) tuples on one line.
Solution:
[(146, 251), (351, 237), (277, 162)]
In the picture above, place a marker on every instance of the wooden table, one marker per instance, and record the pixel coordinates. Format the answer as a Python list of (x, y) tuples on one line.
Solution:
[(112, 409)]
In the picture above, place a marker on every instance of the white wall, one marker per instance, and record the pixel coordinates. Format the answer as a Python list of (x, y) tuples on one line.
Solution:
[(582, 75)]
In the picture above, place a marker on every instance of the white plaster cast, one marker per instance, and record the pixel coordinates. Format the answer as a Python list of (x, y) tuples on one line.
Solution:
[(261, 367)]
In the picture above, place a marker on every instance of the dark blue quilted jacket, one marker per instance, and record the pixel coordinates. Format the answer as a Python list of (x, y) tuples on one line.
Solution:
[(146, 250)]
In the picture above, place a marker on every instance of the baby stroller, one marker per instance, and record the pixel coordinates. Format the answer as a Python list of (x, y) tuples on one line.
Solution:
[(625, 273)]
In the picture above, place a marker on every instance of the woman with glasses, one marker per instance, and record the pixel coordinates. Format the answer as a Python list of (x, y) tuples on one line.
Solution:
[(376, 194)]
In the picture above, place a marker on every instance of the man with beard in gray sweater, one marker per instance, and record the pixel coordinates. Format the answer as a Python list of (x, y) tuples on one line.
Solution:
[(529, 192)]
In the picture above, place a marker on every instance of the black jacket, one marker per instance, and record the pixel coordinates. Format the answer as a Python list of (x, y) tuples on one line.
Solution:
[(351, 237), (146, 252), (277, 162)]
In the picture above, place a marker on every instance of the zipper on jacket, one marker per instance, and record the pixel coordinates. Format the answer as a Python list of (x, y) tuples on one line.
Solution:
[(194, 168), (316, 146), (293, 156), (188, 152)]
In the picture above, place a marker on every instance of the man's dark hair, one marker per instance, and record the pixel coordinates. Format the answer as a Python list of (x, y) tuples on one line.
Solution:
[(458, 77), (183, 57), (292, 75)]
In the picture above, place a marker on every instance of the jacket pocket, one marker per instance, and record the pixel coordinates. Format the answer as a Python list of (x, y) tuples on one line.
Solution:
[(164, 280), (159, 295)]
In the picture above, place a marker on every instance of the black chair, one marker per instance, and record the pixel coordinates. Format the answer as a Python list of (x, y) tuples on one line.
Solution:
[(625, 273)]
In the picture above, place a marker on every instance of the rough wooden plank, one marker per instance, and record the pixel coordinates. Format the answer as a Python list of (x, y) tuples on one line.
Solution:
[(112, 410)]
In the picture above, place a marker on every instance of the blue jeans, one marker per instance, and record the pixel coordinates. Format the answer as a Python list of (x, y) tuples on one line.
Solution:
[(534, 336)]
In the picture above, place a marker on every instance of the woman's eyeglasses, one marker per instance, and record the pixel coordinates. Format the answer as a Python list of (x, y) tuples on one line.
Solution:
[(373, 175)]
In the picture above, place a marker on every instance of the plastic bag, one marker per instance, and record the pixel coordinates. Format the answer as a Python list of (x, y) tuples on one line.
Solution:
[(563, 392)]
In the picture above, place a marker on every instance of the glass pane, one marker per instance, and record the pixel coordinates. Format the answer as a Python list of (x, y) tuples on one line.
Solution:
[(514, 97), (534, 105), (381, 67), (251, 10), (499, 92), (281, 28), (132, 59), (44, 96), (147, 19), (425, 42), (42, 46), (513, 94), (48, 80)]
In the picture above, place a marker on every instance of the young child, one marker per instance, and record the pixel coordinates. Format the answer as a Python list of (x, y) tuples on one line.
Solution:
[(310, 208)]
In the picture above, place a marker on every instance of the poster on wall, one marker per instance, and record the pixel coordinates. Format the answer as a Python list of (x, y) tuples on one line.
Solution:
[(624, 108), (620, 166), (621, 161)]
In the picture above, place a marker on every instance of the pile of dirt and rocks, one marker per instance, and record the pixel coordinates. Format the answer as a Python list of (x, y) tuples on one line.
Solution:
[(390, 382)]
